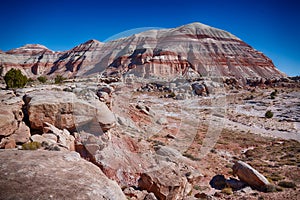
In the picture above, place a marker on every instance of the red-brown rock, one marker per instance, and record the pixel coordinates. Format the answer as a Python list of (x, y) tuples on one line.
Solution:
[(65, 111), (22, 134), (249, 175)]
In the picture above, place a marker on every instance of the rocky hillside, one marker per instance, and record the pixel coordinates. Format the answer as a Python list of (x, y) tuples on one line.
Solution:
[(149, 141), (195, 47)]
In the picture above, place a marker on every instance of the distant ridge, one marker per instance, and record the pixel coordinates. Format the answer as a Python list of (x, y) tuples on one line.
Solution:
[(162, 53)]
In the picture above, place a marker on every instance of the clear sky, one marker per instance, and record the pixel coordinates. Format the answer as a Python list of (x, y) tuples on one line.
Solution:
[(270, 26)]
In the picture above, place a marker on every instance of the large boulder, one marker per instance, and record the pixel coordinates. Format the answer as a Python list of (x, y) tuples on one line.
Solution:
[(65, 111), (249, 175), (53, 175), (167, 183)]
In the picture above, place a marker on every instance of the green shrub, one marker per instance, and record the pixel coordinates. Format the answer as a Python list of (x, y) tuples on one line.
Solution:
[(196, 187), (190, 156), (31, 146), (273, 94), (287, 184), (59, 79), (172, 95), (42, 79), (269, 188), (269, 114), (227, 190), (276, 177), (15, 79)]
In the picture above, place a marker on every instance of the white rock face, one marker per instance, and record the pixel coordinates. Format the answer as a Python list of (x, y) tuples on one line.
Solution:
[(163, 53)]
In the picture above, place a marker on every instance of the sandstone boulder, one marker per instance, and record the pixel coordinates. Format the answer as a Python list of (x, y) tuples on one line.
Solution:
[(127, 162), (65, 111), (167, 183), (53, 175), (249, 175)]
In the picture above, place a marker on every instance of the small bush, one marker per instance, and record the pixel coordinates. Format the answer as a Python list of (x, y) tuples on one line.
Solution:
[(287, 184), (196, 187), (227, 191), (42, 79), (270, 188), (171, 95), (269, 114), (273, 94), (59, 79), (15, 79), (157, 143), (249, 97), (190, 156), (276, 177), (31, 146)]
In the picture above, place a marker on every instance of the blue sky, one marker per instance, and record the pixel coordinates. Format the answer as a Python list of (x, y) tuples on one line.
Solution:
[(270, 26)]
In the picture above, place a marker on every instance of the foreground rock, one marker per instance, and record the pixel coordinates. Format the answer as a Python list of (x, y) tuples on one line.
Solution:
[(53, 175), (249, 175), (65, 111)]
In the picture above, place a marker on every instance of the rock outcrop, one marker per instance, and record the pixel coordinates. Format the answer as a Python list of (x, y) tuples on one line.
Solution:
[(53, 175), (11, 113), (65, 111), (8, 123), (13, 130), (195, 47)]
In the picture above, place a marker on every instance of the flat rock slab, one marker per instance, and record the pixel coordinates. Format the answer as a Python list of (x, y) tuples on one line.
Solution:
[(53, 175)]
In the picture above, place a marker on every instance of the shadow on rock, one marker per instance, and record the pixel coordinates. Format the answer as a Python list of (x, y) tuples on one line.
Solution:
[(219, 182)]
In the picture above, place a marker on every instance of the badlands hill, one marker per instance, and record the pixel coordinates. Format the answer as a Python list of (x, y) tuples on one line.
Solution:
[(205, 50)]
